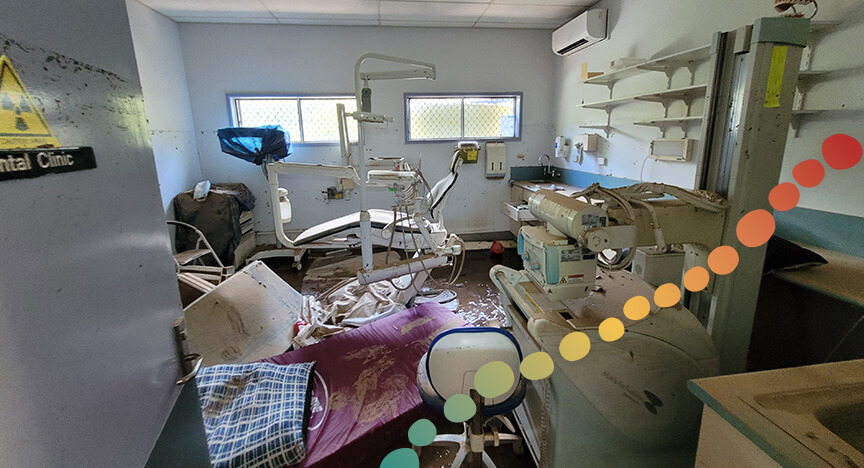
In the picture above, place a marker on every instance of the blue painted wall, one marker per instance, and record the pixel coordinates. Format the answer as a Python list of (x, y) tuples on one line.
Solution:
[(833, 231)]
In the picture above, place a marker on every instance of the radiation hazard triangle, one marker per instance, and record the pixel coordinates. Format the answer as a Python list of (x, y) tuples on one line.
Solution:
[(21, 123)]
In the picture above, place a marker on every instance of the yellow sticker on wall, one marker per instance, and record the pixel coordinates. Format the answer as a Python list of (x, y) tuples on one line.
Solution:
[(21, 122), (775, 76)]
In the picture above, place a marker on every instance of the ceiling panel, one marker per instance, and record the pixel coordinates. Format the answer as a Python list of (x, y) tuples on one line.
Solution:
[(429, 24), (536, 14), (528, 13), (361, 10), (209, 8), (571, 3), (227, 20), (431, 11), (518, 25), (328, 22)]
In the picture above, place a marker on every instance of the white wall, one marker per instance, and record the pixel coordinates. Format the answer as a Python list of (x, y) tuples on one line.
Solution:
[(654, 28), (224, 59), (166, 98)]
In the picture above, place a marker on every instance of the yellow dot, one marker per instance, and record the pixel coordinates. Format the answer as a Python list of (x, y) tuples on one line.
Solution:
[(667, 295), (493, 379), (611, 329), (696, 279), (637, 308), (575, 346), (537, 366)]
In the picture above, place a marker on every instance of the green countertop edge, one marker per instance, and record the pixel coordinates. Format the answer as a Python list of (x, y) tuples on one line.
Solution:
[(760, 442)]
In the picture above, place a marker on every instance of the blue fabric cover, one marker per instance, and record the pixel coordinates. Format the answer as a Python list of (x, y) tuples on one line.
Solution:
[(254, 144), (254, 414)]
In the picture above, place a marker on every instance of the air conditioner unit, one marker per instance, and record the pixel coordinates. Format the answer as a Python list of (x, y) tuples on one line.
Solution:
[(584, 30)]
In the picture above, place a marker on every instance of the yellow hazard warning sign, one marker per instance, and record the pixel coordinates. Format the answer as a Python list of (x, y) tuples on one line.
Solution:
[(21, 123)]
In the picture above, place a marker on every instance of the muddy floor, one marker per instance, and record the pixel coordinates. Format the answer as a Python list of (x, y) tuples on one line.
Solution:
[(478, 305)]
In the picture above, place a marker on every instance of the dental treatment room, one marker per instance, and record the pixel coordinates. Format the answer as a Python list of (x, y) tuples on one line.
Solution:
[(432, 233)]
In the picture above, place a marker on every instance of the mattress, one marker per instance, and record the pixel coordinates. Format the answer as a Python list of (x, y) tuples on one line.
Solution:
[(364, 396)]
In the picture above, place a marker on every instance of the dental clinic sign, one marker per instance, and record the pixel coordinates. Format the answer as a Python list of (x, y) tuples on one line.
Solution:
[(22, 125), (30, 163)]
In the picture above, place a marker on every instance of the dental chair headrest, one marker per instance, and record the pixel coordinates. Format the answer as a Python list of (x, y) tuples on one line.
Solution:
[(442, 188), (455, 163)]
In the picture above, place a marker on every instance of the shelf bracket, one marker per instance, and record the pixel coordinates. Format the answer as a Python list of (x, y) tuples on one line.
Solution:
[(691, 67), (795, 123)]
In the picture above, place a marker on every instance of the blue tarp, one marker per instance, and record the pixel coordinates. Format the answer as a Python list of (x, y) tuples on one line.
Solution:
[(253, 144)]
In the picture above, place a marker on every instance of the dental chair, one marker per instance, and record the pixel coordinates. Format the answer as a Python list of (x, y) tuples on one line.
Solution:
[(448, 368), (404, 232)]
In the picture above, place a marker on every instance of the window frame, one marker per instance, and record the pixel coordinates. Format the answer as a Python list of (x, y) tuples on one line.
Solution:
[(517, 125), (233, 116)]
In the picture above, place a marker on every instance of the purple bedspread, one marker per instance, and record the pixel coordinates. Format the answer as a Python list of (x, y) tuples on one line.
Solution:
[(365, 395)]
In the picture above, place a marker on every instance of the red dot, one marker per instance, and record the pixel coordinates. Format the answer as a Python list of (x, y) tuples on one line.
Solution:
[(784, 197), (841, 151), (809, 173)]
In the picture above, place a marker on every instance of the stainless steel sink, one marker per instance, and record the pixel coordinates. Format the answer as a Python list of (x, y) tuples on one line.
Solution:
[(845, 421), (819, 415)]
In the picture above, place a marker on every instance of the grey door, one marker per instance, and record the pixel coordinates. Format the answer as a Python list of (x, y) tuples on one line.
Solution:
[(88, 295)]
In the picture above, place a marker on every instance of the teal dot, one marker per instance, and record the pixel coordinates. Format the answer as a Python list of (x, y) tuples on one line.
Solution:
[(459, 408), (422, 433), (401, 458)]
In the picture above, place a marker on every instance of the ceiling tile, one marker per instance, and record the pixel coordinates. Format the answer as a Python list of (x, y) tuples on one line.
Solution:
[(572, 3), (209, 8), (431, 11), (444, 1), (428, 24), (517, 25), (528, 13), (222, 19), (361, 10), (329, 22)]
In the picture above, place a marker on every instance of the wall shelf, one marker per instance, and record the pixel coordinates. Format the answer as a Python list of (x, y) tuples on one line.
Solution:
[(800, 114), (664, 123), (806, 74), (822, 25), (687, 93), (667, 64)]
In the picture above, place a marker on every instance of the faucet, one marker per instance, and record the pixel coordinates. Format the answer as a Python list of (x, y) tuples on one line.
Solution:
[(548, 169)]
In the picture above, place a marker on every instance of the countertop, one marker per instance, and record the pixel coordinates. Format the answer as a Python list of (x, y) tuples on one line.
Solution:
[(787, 412)]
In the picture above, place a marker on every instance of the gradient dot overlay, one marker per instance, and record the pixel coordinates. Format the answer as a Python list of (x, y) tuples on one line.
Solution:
[(422, 433), (459, 408), (839, 151), (494, 379)]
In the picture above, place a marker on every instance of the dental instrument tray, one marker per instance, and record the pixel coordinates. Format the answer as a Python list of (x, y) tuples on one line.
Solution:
[(255, 144)]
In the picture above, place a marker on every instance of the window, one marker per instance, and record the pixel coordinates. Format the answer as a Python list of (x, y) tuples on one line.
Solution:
[(308, 119), (464, 116)]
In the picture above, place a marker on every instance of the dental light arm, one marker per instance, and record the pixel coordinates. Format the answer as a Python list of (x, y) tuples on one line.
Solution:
[(417, 70)]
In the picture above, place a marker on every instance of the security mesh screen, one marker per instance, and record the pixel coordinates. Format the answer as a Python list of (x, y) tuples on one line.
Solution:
[(490, 117), (258, 112), (318, 116), (453, 117), (435, 118), (320, 122)]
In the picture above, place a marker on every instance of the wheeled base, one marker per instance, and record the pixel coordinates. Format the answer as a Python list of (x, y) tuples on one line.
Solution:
[(465, 439)]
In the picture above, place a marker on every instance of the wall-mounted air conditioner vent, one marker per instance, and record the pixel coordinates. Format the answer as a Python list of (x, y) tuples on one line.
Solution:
[(581, 32)]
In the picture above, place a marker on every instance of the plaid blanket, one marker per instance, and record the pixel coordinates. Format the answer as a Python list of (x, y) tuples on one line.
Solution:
[(254, 414)]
